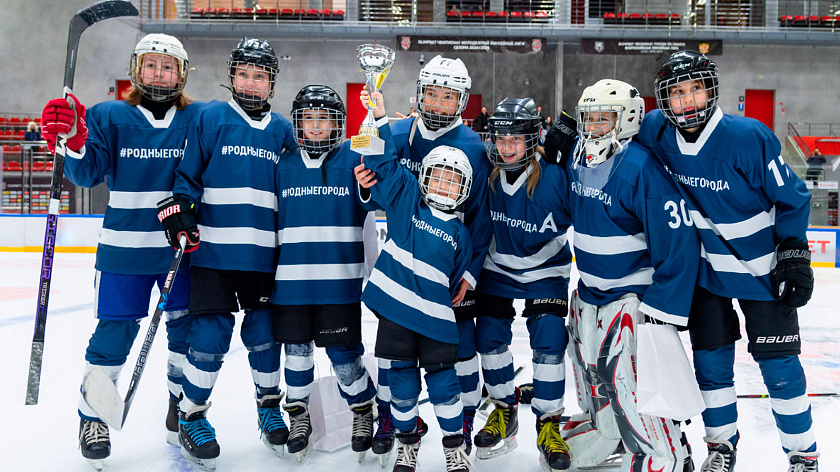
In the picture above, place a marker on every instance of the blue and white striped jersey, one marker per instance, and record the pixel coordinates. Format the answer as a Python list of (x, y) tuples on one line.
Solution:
[(743, 198), (474, 211), (229, 168), (529, 255), (321, 255), (136, 156), (422, 262), (631, 235)]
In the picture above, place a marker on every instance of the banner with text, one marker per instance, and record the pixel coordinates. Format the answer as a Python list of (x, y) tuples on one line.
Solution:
[(648, 46), (450, 44)]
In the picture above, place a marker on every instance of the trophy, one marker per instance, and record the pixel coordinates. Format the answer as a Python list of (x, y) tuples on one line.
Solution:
[(376, 62)]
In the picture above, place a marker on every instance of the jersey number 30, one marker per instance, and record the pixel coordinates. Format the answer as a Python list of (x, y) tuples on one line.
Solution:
[(679, 214)]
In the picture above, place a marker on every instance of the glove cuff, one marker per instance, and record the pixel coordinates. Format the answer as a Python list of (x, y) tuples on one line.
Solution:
[(793, 249)]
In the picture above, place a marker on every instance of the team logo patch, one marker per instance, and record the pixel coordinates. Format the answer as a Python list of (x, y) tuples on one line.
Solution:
[(599, 46), (536, 44), (704, 48), (405, 42)]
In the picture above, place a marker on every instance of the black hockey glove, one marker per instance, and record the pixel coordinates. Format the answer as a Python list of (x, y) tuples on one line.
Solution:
[(792, 281), (560, 140), (526, 392), (177, 214)]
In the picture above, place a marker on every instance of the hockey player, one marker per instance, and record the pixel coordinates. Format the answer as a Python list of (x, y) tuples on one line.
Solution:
[(412, 287), (637, 254), (225, 186), (113, 143), (751, 212), (318, 282), (529, 259), (442, 92)]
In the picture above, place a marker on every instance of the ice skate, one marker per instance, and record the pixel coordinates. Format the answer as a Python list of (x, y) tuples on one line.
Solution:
[(803, 461), (273, 429), (299, 431), (172, 423), (198, 438), (456, 454), (95, 442), (469, 418), (498, 436), (407, 449), (721, 457), (554, 452), (362, 435), (383, 440)]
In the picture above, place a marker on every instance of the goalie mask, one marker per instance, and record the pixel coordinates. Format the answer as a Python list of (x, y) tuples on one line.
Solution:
[(607, 112), (442, 92), (445, 178), (514, 133), (687, 89), (252, 68), (159, 67), (318, 115)]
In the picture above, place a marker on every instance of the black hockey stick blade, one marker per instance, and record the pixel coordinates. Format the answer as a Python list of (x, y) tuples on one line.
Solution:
[(78, 24), (99, 391)]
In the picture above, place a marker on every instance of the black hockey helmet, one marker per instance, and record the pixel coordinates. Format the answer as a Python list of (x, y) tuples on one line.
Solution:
[(683, 66), (514, 116), (257, 53), (326, 100)]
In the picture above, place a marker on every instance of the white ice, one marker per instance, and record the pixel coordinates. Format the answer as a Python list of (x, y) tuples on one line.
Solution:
[(44, 437)]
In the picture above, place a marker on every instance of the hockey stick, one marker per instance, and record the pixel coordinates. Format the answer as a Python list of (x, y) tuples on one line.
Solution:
[(78, 24), (482, 410), (99, 391), (824, 394)]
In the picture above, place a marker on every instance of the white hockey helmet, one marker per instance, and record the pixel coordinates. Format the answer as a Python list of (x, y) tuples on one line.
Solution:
[(446, 74), (607, 113), (450, 186), (165, 45)]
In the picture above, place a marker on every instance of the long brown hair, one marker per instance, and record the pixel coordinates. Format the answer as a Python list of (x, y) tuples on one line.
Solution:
[(181, 101), (533, 176)]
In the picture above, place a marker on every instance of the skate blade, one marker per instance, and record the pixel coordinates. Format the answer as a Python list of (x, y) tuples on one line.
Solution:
[(302, 455), (360, 456), (204, 464), (507, 445), (384, 459), (172, 438), (279, 450), (97, 464)]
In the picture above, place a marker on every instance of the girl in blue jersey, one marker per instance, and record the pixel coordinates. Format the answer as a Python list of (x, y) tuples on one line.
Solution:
[(412, 287), (637, 257), (751, 212), (319, 273), (225, 187), (529, 259), (134, 146), (442, 93)]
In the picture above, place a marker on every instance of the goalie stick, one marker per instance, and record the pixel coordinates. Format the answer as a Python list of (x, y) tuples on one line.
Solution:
[(99, 391), (78, 24)]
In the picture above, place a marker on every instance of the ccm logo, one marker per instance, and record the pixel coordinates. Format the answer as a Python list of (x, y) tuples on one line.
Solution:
[(777, 339), (504, 123), (168, 211)]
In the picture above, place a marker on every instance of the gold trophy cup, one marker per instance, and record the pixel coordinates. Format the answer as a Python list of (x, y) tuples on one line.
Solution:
[(376, 61)]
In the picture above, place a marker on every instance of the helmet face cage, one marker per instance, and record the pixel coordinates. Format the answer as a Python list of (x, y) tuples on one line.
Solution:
[(598, 128), (440, 106), (252, 85), (318, 128), (159, 67), (687, 79), (445, 178), (506, 144)]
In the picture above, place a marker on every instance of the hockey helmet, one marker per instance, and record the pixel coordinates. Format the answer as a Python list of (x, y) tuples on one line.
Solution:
[(685, 66), (446, 76), (251, 57), (317, 111), (161, 45), (445, 178), (607, 113), (514, 128)]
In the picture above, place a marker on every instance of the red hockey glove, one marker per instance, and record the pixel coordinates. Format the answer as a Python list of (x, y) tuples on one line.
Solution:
[(58, 118), (177, 214)]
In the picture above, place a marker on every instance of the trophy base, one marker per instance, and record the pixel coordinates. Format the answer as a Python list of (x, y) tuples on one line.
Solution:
[(367, 145)]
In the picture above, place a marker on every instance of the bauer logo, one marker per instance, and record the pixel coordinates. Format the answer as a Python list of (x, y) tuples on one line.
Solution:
[(791, 338)]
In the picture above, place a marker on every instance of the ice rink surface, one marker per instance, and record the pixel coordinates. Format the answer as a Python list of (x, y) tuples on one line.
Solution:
[(44, 437)]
